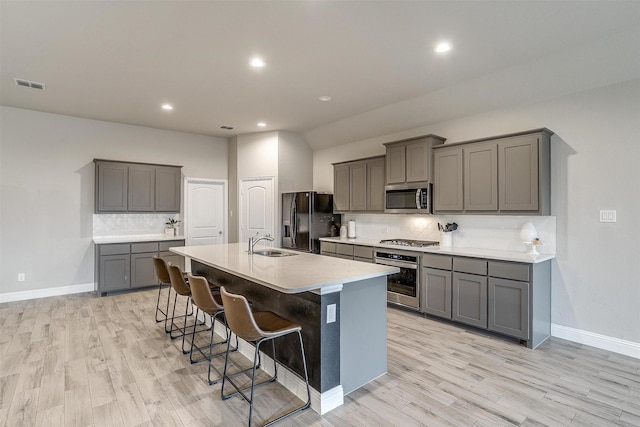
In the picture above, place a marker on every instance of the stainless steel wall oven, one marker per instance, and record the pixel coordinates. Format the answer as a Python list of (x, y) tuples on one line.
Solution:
[(403, 288)]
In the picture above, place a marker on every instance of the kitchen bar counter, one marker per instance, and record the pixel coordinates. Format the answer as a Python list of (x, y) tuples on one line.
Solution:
[(301, 272), (340, 304), (453, 250), (138, 238)]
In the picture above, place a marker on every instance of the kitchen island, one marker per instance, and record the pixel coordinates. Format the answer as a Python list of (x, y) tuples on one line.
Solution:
[(340, 304)]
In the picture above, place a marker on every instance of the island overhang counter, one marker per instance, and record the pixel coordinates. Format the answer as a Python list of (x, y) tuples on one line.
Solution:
[(340, 304)]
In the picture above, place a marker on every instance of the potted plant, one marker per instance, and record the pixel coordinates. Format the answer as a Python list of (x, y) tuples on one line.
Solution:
[(171, 226)]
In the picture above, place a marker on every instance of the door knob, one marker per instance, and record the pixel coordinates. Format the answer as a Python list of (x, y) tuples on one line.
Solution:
[(220, 232)]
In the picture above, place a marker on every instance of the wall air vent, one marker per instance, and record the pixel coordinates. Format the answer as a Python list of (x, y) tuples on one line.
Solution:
[(29, 83), (225, 127)]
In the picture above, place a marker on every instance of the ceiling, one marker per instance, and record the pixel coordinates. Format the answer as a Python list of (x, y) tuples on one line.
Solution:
[(119, 61)]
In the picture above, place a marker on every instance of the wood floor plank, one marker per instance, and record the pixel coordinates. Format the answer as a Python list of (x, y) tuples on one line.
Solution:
[(82, 360)]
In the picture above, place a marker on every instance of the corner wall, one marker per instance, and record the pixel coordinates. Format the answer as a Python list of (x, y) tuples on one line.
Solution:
[(47, 188)]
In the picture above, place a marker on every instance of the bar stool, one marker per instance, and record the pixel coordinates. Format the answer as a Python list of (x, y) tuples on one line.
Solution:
[(180, 287), (163, 277), (211, 304), (257, 327)]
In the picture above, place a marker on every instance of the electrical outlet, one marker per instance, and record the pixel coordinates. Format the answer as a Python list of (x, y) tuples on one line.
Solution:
[(331, 313), (608, 216), (21, 277)]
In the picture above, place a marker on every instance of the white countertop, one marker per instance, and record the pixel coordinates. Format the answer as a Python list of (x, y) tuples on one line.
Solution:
[(291, 274), (135, 238), (468, 252)]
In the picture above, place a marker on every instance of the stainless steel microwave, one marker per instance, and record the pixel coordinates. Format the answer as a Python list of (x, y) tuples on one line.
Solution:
[(408, 198)]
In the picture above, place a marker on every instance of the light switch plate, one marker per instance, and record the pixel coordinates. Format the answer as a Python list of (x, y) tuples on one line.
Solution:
[(331, 313), (608, 216)]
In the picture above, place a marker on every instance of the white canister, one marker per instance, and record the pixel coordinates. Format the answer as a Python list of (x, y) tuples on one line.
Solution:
[(343, 231), (351, 233), (445, 239)]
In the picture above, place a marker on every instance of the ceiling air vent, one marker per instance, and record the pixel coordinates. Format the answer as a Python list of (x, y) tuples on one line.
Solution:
[(29, 83), (225, 127)]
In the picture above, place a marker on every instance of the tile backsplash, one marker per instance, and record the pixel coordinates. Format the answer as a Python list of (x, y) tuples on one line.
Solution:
[(106, 225), (474, 231)]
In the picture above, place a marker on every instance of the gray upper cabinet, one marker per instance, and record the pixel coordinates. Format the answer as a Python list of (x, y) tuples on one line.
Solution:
[(341, 187), (167, 189), (505, 175), (410, 160), (112, 180), (518, 171), (141, 188), (136, 187), (359, 185), (375, 184), (396, 164), (481, 177), (448, 180)]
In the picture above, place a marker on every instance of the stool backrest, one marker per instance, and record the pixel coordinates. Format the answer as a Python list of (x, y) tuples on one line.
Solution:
[(201, 294), (239, 317), (161, 269), (177, 280)]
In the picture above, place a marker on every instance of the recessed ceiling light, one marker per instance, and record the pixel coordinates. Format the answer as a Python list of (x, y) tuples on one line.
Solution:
[(262, 124), (325, 98), (442, 47), (257, 63), (167, 107)]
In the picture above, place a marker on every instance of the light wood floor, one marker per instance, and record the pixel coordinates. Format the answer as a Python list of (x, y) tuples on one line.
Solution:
[(81, 360)]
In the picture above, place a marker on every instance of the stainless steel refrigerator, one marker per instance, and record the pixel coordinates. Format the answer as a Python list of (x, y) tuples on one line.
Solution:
[(307, 216)]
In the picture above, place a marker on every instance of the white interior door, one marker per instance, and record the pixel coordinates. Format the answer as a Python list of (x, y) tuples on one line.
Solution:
[(205, 216), (257, 208)]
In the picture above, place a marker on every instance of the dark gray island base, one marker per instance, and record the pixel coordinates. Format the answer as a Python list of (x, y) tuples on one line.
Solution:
[(342, 355)]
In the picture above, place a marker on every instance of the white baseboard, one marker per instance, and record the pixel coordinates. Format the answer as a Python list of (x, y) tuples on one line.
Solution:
[(320, 402), (49, 292), (628, 348)]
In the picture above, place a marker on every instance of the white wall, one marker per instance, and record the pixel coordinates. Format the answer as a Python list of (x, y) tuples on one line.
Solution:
[(595, 165), (47, 181), (295, 163)]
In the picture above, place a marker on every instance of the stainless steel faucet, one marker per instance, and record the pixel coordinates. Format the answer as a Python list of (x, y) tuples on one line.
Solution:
[(253, 241)]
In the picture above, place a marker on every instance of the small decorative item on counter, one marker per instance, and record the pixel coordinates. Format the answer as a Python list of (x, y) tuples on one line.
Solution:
[(536, 242), (171, 226), (343, 231)]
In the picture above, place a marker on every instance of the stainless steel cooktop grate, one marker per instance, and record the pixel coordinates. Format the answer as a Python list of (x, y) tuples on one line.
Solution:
[(407, 242)]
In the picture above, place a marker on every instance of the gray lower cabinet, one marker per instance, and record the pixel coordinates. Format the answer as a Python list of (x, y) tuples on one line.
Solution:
[(347, 251), (509, 307), (469, 299), (437, 292), (114, 272), (142, 269), (511, 298), (123, 266)]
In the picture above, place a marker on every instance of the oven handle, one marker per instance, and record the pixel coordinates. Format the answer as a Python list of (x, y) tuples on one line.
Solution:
[(396, 264)]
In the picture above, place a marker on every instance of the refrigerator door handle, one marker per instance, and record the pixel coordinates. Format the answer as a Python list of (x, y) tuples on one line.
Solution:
[(294, 224)]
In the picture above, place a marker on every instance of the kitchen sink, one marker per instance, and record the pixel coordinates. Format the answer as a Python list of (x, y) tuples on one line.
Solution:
[(272, 253)]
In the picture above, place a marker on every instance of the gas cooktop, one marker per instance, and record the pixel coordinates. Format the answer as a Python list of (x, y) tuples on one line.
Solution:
[(407, 242)]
